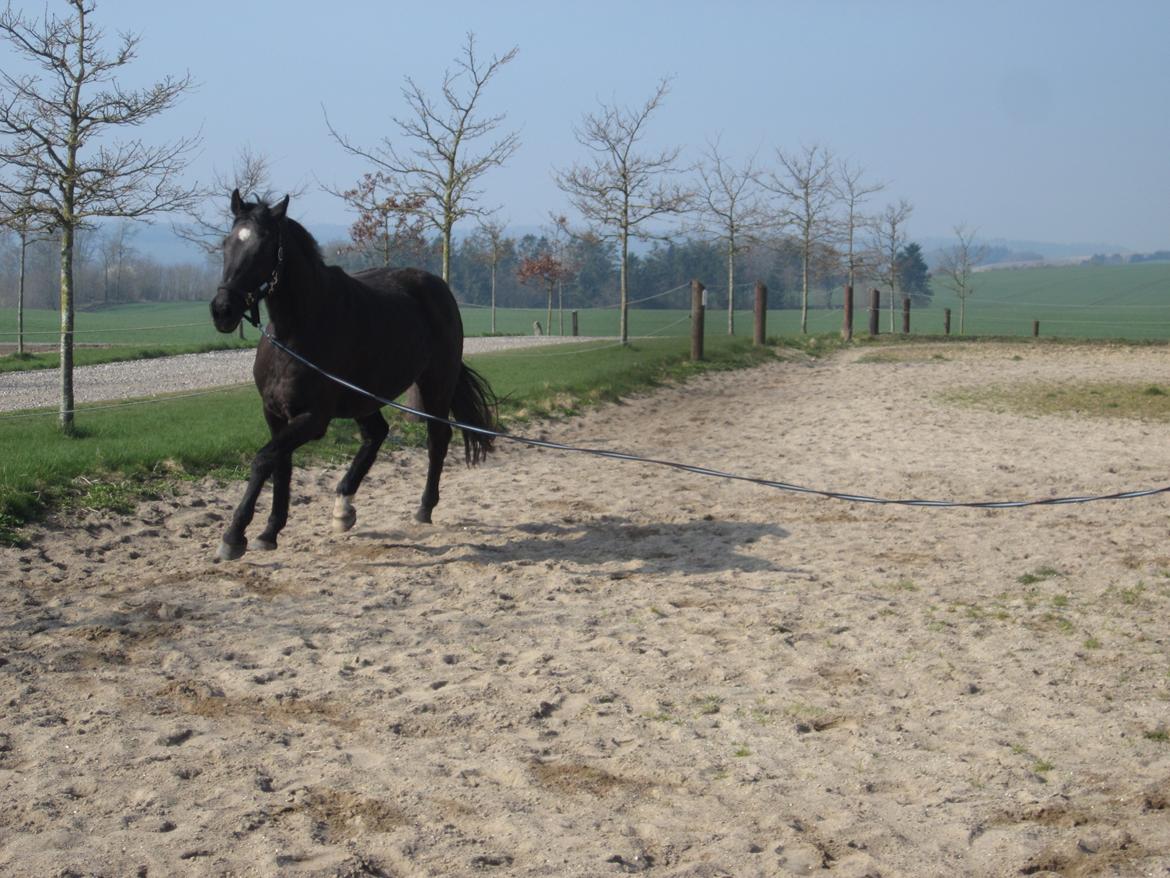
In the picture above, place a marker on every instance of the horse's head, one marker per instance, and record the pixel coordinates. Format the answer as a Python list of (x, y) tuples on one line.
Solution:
[(251, 257)]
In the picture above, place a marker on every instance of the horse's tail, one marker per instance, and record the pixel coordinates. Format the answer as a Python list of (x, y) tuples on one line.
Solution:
[(475, 403)]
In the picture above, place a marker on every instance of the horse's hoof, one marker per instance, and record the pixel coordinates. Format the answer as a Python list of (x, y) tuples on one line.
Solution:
[(265, 545), (344, 515), (229, 552), (423, 516)]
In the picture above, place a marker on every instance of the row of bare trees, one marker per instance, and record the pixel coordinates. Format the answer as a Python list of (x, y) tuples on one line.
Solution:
[(110, 267), (428, 174), (70, 157)]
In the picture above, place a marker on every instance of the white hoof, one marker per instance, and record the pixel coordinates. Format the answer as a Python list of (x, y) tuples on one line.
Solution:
[(344, 515), (228, 552)]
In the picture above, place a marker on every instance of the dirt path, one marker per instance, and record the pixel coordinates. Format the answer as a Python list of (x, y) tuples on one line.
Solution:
[(589, 668)]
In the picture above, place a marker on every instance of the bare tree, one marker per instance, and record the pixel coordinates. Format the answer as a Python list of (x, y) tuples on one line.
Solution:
[(805, 187), (620, 190), (116, 248), (889, 237), (560, 238), (492, 230), (210, 217), (957, 267), (851, 193), (52, 126), (440, 166), (729, 206), (18, 213)]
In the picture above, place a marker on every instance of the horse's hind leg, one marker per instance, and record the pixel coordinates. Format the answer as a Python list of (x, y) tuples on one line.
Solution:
[(438, 438), (374, 430)]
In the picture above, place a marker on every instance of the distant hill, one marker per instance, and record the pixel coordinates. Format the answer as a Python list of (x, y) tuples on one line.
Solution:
[(1010, 252)]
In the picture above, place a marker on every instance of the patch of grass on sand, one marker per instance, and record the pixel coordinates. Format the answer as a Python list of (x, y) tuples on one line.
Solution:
[(1137, 400), (1037, 575)]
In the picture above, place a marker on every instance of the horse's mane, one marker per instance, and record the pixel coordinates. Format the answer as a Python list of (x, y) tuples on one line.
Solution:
[(296, 235), (302, 239)]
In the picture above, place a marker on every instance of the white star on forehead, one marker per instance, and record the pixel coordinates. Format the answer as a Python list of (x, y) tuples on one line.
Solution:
[(244, 234)]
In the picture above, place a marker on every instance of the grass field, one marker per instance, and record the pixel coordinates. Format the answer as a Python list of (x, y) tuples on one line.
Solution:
[(1124, 301), (118, 333), (123, 453)]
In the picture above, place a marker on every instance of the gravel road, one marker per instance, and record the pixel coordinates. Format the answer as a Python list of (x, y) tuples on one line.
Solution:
[(40, 388)]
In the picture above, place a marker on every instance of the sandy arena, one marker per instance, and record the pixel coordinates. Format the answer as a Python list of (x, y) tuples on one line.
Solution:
[(590, 668)]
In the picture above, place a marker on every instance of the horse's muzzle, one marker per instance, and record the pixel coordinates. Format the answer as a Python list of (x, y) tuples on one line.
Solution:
[(225, 312)]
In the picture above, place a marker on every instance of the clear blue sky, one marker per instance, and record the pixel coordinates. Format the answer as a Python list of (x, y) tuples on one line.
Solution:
[(1045, 121)]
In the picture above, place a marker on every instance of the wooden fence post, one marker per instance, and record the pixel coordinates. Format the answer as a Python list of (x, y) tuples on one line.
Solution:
[(761, 313), (697, 313), (946, 321), (905, 315), (574, 315), (875, 311), (847, 324)]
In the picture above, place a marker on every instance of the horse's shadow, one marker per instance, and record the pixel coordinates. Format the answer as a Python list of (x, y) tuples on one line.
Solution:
[(667, 547)]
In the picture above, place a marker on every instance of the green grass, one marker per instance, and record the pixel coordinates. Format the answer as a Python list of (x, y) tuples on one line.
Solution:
[(155, 323), (121, 332), (125, 452), (1139, 400), (1121, 301), (1038, 575), (1094, 302)]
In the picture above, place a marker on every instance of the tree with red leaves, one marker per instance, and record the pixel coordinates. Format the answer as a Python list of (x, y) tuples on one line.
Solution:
[(387, 223), (544, 267)]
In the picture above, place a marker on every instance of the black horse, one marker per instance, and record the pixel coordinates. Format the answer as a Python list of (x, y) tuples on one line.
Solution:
[(381, 330)]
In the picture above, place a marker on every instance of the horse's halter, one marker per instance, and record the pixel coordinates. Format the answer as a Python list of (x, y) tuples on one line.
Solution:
[(253, 298)]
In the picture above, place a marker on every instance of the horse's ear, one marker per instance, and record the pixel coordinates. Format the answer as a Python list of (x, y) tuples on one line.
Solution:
[(280, 209), (237, 203)]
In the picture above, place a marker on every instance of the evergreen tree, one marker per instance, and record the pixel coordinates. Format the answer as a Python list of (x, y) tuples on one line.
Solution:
[(913, 276)]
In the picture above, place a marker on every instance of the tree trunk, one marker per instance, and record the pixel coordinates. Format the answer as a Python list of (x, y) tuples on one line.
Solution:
[(804, 289), (730, 285), (493, 297), (625, 307), (561, 305), (893, 295), (66, 412), (20, 295), (447, 251), (68, 227), (852, 262), (548, 317)]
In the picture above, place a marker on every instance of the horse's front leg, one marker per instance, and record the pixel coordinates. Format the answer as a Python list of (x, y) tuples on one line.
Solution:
[(269, 459), (281, 490)]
